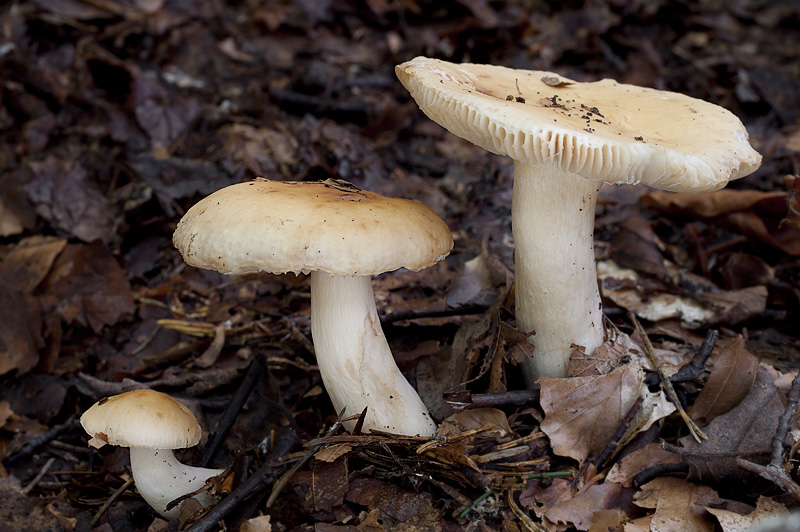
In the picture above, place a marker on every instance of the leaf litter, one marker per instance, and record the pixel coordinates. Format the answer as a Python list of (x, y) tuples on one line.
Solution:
[(116, 117)]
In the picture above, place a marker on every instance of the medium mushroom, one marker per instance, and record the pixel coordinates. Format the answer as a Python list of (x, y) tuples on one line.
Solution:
[(152, 425), (341, 235), (566, 139)]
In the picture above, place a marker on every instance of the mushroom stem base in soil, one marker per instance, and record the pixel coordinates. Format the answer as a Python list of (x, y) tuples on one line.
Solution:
[(555, 279), (161, 478), (355, 361)]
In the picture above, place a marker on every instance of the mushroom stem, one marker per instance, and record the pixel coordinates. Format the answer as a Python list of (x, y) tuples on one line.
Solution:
[(552, 216), (355, 361), (161, 478)]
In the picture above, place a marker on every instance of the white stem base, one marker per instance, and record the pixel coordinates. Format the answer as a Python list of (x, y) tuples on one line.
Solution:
[(161, 478), (555, 276), (355, 361)]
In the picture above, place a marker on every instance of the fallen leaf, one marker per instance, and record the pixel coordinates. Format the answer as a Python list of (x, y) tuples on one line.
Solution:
[(24, 265), (87, 285), (583, 413), (65, 197), (579, 510), (475, 418), (400, 510), (730, 381), (768, 511), (333, 452), (679, 505), (20, 331), (634, 247), (735, 306), (746, 432), (630, 465), (608, 521), (257, 524)]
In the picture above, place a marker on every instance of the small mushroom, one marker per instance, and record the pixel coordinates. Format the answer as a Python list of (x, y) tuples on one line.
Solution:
[(341, 235), (152, 425), (566, 140)]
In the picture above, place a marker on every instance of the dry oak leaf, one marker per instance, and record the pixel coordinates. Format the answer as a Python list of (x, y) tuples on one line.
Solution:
[(767, 510), (257, 524), (579, 511), (679, 505), (583, 413), (731, 378)]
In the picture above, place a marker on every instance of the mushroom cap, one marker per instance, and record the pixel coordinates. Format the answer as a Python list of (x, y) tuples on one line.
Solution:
[(143, 419), (603, 130), (330, 226)]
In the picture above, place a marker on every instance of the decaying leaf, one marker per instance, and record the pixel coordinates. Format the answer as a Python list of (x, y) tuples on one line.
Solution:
[(731, 378), (679, 505), (767, 511), (624, 471), (400, 510), (583, 413), (257, 524), (746, 432)]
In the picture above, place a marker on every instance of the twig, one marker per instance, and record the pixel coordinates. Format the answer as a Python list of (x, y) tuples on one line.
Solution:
[(778, 477), (475, 503), (783, 426), (29, 448), (495, 400), (276, 489), (259, 480), (613, 445), (109, 502), (414, 314), (42, 472), (658, 470), (257, 368), (695, 367), (697, 434)]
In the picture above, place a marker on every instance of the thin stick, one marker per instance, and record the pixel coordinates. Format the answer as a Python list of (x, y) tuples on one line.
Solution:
[(42, 472), (613, 445), (697, 434), (783, 426), (255, 483), (109, 502), (257, 368), (29, 448), (778, 477), (695, 367), (492, 400)]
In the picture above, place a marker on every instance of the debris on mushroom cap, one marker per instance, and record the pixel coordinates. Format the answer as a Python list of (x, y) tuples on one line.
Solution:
[(330, 226), (602, 130), (142, 418)]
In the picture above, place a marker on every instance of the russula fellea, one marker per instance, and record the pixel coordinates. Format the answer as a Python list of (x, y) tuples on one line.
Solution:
[(152, 425), (341, 235), (566, 139)]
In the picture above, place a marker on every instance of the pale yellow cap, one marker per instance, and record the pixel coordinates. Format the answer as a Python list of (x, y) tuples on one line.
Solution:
[(142, 419), (603, 130), (300, 227)]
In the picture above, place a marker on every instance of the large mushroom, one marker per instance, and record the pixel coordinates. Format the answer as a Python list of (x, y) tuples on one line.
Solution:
[(152, 425), (567, 139), (341, 235)]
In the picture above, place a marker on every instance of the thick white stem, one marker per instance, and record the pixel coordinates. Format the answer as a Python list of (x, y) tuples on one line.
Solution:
[(161, 478), (355, 361), (555, 277)]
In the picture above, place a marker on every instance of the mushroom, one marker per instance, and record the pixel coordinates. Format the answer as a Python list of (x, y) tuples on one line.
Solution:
[(567, 138), (152, 425), (341, 235)]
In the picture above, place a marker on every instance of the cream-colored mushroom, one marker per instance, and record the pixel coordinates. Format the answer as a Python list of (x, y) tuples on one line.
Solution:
[(152, 425), (341, 236), (566, 139)]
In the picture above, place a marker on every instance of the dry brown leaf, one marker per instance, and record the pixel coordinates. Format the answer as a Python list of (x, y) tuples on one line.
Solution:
[(400, 510), (579, 510), (735, 306), (638, 525), (608, 521), (679, 505), (746, 432), (583, 413), (767, 509), (624, 471), (731, 378), (257, 524), (710, 204), (332, 452), (634, 247), (25, 265), (475, 418), (20, 331)]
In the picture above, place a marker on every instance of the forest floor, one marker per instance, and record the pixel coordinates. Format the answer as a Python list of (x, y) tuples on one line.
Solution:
[(116, 117)]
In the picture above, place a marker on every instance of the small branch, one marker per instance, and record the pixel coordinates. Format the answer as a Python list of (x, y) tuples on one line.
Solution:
[(779, 476), (783, 426), (42, 472), (257, 368), (29, 448), (697, 434), (463, 400), (109, 502), (696, 366), (613, 445), (414, 314)]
